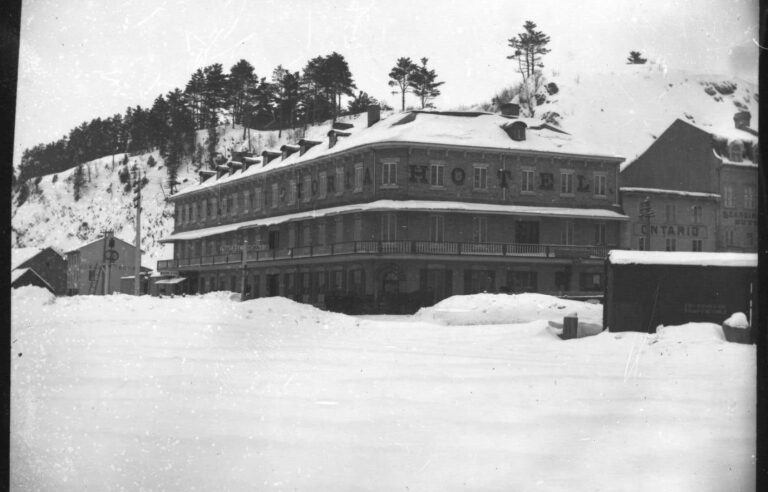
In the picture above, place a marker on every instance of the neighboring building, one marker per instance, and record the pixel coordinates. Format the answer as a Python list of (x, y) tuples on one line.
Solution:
[(689, 166), (682, 220), (413, 209), (646, 289), (128, 284), (45, 263), (27, 276), (89, 270)]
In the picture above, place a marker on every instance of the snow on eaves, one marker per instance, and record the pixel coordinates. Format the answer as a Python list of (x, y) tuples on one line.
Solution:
[(409, 205), (470, 130), (659, 191), (627, 257)]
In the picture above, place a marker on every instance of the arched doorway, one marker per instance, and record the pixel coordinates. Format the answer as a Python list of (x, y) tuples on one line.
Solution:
[(390, 279)]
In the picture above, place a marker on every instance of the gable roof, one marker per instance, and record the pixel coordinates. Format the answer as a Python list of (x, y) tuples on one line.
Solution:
[(19, 256), (101, 239), (20, 272)]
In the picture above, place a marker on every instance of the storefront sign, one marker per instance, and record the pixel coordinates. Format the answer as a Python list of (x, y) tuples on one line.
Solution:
[(690, 308), (697, 231)]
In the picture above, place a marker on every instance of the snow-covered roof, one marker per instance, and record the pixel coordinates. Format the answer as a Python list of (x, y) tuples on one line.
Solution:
[(626, 257), (17, 273), (20, 255), (96, 241), (659, 191), (475, 130), (727, 131), (403, 205)]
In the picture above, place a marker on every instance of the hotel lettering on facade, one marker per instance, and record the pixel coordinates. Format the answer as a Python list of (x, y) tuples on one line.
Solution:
[(407, 210)]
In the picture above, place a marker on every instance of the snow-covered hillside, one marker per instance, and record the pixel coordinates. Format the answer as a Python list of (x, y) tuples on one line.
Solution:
[(625, 109), (52, 217)]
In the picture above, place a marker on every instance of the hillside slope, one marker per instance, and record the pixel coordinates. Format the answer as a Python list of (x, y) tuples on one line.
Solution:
[(625, 109), (52, 217)]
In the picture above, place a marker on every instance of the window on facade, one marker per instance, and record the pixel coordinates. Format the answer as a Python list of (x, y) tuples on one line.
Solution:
[(696, 213), (670, 213), (209, 209), (591, 281), (389, 173), (233, 203), (480, 176), (749, 197), (566, 182), (437, 174), (750, 239), (306, 235), (436, 228), (735, 151), (183, 214), (728, 196), (358, 178), (91, 274), (696, 245), (321, 233), (339, 230), (671, 244), (322, 184), (527, 181), (358, 228), (729, 239), (566, 235), (600, 234), (388, 227), (291, 192), (275, 195), (292, 235), (339, 180), (479, 229), (256, 199), (522, 281), (600, 188), (246, 201), (307, 191), (641, 246)]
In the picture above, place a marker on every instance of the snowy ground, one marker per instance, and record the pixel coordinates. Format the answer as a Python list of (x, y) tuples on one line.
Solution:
[(204, 393)]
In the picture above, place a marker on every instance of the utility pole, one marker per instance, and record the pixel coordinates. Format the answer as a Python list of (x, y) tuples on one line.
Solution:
[(137, 255), (245, 267), (646, 212)]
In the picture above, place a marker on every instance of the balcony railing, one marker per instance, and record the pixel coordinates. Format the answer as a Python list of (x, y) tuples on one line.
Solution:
[(417, 248)]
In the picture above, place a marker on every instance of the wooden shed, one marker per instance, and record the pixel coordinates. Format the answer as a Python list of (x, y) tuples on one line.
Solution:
[(645, 289)]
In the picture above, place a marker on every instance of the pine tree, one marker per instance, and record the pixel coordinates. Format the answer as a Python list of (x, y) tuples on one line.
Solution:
[(400, 77), (78, 182), (336, 79), (528, 48), (424, 84), (243, 84), (635, 58), (360, 103)]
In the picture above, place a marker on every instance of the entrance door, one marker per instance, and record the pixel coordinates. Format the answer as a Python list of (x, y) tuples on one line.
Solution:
[(527, 232), (273, 285)]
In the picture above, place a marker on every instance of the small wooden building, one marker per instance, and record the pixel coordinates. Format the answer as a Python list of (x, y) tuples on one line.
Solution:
[(46, 263), (645, 289), (27, 276)]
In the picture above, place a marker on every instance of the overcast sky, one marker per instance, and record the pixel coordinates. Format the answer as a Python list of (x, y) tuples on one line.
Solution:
[(81, 59)]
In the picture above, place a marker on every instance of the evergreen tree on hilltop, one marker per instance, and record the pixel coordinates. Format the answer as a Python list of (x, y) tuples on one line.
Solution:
[(336, 79), (424, 83), (528, 48), (635, 58), (243, 84), (286, 96), (360, 103), (400, 77), (318, 105), (193, 96), (157, 122)]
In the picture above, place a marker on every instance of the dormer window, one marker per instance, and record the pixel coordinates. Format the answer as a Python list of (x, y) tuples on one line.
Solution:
[(735, 151), (516, 130)]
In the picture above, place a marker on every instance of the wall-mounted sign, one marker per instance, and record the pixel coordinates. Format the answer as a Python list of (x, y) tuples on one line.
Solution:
[(697, 231)]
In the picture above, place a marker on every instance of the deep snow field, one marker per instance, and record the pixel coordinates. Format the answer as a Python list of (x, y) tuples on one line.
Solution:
[(207, 393)]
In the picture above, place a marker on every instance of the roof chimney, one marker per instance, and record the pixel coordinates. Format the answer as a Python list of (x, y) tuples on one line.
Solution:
[(374, 114), (510, 109), (741, 119)]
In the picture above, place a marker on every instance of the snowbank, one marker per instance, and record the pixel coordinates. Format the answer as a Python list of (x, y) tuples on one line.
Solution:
[(692, 332), (493, 309), (737, 320), (30, 296), (627, 257)]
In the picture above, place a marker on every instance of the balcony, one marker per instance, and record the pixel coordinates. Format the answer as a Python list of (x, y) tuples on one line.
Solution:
[(404, 248)]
